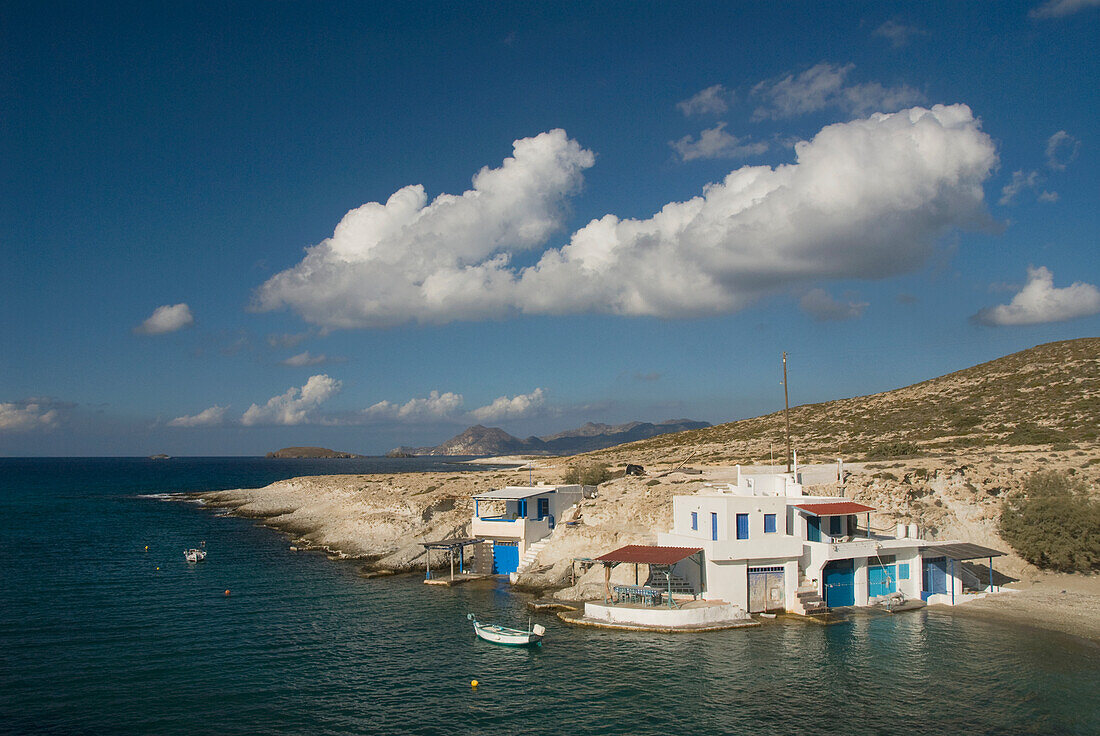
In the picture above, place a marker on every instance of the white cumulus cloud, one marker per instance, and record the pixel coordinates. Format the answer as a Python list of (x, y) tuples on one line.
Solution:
[(1059, 8), (825, 85), (434, 406), (821, 305), (716, 143), (167, 318), (712, 100), (1039, 301), (437, 262), (295, 405), (22, 416), (864, 199), (511, 407), (206, 418)]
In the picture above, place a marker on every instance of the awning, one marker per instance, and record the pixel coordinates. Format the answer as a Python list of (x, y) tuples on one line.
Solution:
[(646, 555), (451, 543), (959, 551), (837, 508), (515, 493)]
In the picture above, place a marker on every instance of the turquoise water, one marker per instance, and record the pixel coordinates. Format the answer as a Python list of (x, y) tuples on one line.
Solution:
[(95, 640)]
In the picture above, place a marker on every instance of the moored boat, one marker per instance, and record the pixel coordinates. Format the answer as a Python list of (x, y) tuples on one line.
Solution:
[(506, 636), (194, 555)]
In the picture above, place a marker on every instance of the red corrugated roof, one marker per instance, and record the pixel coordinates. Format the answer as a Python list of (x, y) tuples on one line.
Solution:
[(646, 555), (834, 509)]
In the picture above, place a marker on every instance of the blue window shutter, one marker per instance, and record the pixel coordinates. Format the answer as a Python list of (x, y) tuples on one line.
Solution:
[(694, 520), (769, 523), (813, 528), (742, 526), (714, 526), (903, 571)]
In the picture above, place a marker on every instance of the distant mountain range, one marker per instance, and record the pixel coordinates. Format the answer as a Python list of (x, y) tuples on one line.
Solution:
[(479, 440)]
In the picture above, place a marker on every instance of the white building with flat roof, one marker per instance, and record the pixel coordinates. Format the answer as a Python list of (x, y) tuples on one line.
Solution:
[(770, 547), (516, 517)]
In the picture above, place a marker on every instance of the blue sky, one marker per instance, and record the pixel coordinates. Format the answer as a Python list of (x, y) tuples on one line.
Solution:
[(644, 205)]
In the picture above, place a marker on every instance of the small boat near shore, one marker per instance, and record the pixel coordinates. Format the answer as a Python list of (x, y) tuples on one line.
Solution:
[(195, 554), (506, 636)]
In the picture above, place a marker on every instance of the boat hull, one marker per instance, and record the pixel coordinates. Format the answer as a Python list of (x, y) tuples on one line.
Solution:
[(508, 637), (509, 640)]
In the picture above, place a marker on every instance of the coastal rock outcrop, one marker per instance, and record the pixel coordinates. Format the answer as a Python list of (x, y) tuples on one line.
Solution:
[(309, 452)]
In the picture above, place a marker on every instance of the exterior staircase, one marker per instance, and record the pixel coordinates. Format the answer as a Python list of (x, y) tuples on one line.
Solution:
[(532, 552), (808, 601)]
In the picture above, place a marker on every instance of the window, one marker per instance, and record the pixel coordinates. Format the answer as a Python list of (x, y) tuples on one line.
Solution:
[(714, 526), (834, 525), (903, 571), (769, 523), (695, 520), (742, 526), (544, 507)]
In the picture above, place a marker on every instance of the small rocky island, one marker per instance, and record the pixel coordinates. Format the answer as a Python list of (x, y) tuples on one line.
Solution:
[(309, 452)]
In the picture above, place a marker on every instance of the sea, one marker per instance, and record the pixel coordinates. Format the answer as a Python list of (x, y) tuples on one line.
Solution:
[(105, 629)]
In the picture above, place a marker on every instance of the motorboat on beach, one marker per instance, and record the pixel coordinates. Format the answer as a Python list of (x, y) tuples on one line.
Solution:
[(506, 636)]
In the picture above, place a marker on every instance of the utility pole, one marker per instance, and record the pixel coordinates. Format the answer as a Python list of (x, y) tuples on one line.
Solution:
[(787, 411)]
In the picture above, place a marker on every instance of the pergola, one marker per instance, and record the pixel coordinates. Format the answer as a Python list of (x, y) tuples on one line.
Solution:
[(962, 552), (459, 543), (662, 558)]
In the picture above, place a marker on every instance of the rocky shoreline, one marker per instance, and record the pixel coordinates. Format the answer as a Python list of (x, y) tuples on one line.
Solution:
[(382, 520)]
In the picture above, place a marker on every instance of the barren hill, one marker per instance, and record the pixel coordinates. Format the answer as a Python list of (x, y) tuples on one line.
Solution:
[(1048, 395)]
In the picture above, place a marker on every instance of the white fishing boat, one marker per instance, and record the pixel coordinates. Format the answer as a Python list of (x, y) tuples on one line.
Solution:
[(195, 555), (506, 636)]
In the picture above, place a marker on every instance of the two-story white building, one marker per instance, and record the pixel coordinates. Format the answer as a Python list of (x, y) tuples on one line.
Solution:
[(515, 517), (769, 547)]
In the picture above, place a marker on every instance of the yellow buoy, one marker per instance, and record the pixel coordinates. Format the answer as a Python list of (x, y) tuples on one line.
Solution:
[(473, 683), (146, 548), (158, 568)]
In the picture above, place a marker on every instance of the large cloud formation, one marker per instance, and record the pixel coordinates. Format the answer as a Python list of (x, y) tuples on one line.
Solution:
[(435, 262), (1039, 302), (864, 199)]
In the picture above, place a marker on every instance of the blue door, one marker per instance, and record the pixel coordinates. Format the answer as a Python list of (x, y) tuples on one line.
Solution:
[(742, 526), (505, 557), (881, 579), (934, 579), (521, 508), (840, 583), (813, 528)]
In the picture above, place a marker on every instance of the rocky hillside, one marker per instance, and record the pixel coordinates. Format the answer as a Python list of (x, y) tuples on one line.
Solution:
[(1046, 396), (479, 440)]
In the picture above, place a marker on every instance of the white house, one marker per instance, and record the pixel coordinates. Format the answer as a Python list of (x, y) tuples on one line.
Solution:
[(769, 547), (516, 517)]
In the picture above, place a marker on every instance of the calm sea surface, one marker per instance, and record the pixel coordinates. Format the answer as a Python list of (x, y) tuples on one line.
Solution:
[(95, 640)]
